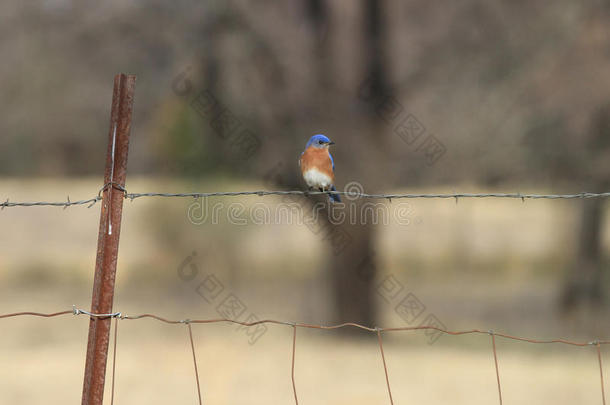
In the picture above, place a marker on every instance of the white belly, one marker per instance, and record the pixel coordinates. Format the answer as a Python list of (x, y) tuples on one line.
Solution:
[(316, 179)]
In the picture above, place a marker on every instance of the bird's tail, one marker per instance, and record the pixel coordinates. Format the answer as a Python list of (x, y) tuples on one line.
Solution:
[(334, 197)]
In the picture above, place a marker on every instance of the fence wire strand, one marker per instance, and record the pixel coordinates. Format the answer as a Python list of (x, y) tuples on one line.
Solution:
[(43, 315), (120, 316), (262, 193), (493, 345), (294, 348), (116, 329), (601, 371), (195, 362), (385, 366)]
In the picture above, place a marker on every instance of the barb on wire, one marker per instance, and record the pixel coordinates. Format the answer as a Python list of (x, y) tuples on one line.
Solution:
[(64, 204), (263, 193)]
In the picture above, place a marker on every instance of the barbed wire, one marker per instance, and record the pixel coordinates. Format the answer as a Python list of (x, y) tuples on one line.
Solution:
[(378, 331), (262, 193)]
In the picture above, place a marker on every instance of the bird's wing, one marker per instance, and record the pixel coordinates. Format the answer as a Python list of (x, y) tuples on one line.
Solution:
[(332, 162)]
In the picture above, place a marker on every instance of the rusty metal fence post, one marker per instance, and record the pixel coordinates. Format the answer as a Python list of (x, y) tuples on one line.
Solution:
[(108, 238)]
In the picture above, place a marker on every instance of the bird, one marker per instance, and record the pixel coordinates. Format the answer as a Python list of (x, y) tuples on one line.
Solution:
[(318, 167)]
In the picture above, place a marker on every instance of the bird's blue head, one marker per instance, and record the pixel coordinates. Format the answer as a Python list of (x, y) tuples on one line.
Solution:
[(319, 141)]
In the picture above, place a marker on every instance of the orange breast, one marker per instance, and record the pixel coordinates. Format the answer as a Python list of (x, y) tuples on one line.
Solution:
[(317, 158)]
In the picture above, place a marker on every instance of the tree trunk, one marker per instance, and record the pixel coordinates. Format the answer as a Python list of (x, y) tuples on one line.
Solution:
[(584, 281), (353, 273), (354, 267), (584, 284)]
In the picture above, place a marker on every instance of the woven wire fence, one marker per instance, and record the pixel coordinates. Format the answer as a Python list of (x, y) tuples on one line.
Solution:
[(378, 331), (118, 316)]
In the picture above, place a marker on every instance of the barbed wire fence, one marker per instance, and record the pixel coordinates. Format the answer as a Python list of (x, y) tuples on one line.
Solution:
[(101, 313), (262, 193)]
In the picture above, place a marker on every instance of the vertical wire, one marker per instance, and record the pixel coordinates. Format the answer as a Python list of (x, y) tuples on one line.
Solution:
[(294, 344), (116, 328), (109, 230), (601, 372), (493, 344), (385, 367), (195, 362)]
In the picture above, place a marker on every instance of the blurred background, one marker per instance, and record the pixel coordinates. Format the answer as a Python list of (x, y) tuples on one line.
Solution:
[(467, 96)]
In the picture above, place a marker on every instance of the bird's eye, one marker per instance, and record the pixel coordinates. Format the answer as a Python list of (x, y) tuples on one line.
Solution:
[(320, 142)]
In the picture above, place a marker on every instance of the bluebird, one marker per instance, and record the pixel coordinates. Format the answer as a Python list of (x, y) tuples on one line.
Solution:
[(317, 165)]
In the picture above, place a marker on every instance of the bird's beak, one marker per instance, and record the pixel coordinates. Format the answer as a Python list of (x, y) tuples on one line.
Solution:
[(331, 143)]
